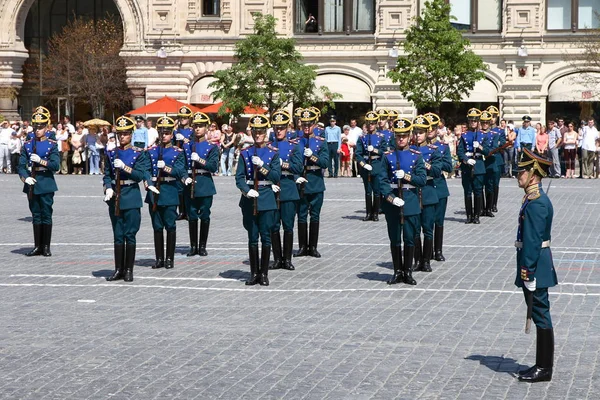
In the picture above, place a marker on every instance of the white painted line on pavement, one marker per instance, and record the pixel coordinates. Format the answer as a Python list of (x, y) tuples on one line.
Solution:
[(80, 197), (138, 277)]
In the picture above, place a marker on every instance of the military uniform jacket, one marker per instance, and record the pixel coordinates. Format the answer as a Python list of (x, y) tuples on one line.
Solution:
[(289, 135), (205, 167), (137, 164), (376, 140), (389, 138), (411, 162), (174, 171), (47, 149), (433, 165), (315, 163), (501, 142), (534, 258), (290, 156), (269, 173), (441, 186), (492, 140), (465, 151), (187, 132)]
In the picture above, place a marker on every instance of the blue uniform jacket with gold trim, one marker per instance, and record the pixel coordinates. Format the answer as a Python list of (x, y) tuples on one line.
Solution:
[(209, 162), (492, 141), (270, 172), (290, 156), (377, 140), (441, 186), (315, 163), (465, 151), (171, 175), (47, 149), (411, 162), (501, 142), (433, 165), (137, 164)]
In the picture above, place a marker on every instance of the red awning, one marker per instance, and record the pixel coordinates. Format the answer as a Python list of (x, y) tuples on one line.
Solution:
[(214, 108), (166, 105)]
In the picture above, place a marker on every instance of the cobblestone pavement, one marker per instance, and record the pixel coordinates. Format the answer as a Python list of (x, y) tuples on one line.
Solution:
[(331, 329)]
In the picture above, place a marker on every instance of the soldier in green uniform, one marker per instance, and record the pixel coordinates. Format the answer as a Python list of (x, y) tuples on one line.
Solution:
[(124, 168), (441, 186), (38, 162), (257, 169), (502, 140), (167, 168), (491, 165), (535, 268), (402, 173), (369, 150), (202, 159), (312, 184), (290, 156)]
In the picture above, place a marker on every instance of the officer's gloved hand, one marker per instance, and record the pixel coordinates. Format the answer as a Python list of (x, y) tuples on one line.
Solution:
[(252, 193), (160, 164), (476, 144), (30, 181), (35, 158), (118, 164), (530, 285), (153, 189), (195, 156), (370, 148), (471, 162), (109, 194), (399, 174), (179, 136), (276, 188), (308, 152), (398, 202), (368, 167), (187, 181), (257, 161), (301, 180)]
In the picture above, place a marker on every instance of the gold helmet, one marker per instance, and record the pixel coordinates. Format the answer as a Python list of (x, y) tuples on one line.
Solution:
[(124, 124), (200, 119)]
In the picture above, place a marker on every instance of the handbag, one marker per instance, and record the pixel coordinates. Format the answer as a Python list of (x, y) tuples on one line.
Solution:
[(76, 157)]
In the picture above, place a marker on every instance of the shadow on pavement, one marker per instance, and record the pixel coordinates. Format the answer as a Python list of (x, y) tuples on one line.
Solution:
[(374, 276), (498, 363), (354, 216), (144, 262), (235, 274), (103, 273), (452, 219), (22, 250), (387, 264), (26, 219)]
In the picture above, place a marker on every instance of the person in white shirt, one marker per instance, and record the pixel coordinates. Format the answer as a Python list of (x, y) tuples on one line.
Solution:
[(5, 134), (353, 135), (152, 133), (67, 124), (589, 140), (14, 146), (62, 137)]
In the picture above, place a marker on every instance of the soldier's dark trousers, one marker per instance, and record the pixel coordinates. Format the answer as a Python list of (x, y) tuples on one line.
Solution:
[(126, 225)]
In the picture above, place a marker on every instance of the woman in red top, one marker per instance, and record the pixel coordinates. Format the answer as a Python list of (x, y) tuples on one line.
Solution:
[(345, 149)]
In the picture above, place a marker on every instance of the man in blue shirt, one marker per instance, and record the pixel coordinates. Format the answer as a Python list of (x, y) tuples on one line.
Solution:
[(140, 134), (333, 135), (525, 135)]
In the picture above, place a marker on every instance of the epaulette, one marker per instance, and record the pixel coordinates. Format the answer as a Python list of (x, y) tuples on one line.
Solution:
[(177, 149), (136, 148), (533, 195), (415, 151), (294, 140), (52, 140), (319, 138), (432, 146), (380, 134), (272, 148)]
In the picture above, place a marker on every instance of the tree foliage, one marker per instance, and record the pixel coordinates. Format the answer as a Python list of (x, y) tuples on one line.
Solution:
[(267, 72), (83, 63), (437, 65)]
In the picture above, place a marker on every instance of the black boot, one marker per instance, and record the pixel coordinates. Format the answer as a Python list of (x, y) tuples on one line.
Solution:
[(253, 256), (438, 243), (544, 358), (193, 227), (37, 240), (276, 246), (495, 199), (204, 225), (424, 264), (288, 242), (376, 204), (119, 263), (313, 240), (409, 252), (46, 238), (369, 202), (477, 212), (171, 241), (416, 266), (469, 209), (264, 265), (159, 249), (397, 262), (182, 213), (129, 260), (302, 239), (489, 201)]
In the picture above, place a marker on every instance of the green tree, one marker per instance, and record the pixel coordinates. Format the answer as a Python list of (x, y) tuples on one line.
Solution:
[(437, 64), (267, 72)]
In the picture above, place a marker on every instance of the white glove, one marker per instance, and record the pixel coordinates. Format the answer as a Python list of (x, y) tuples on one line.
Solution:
[(530, 285), (399, 174), (153, 189), (398, 202), (179, 136), (471, 162), (35, 158), (160, 164), (368, 167), (195, 156), (276, 188), (118, 164), (475, 144), (301, 180), (109, 194), (252, 193), (30, 181), (257, 161), (188, 181), (308, 152), (370, 148)]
